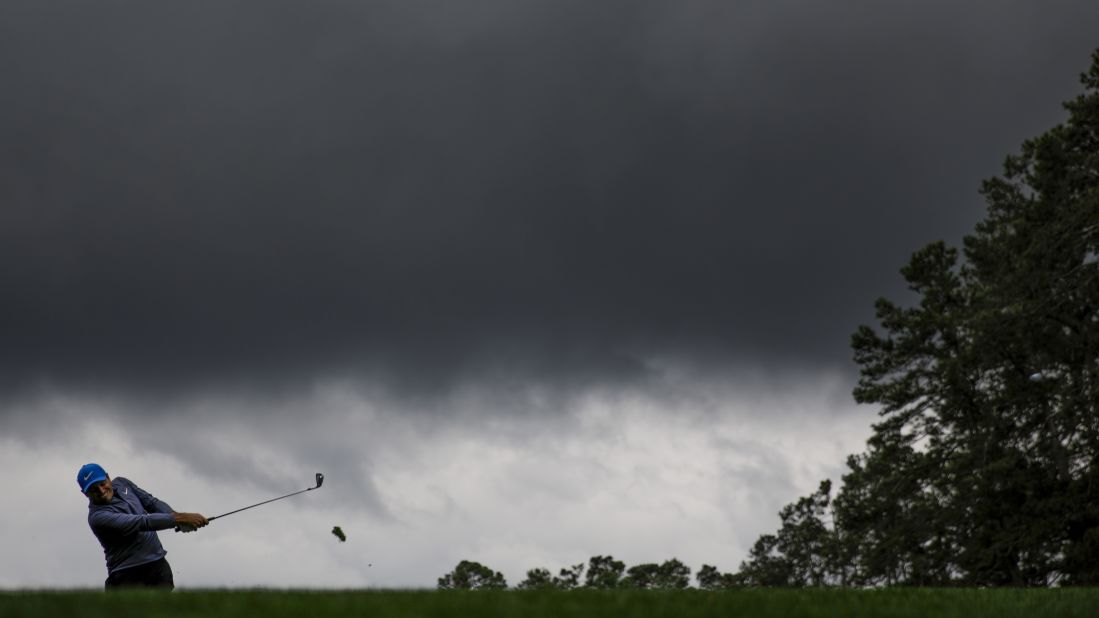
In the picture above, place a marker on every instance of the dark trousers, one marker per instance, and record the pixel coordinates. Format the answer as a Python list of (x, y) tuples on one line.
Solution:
[(156, 574)]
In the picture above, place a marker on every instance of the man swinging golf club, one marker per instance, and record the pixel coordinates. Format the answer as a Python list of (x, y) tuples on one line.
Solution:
[(125, 519)]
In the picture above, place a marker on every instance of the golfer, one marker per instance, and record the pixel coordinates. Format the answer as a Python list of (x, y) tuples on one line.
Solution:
[(125, 519)]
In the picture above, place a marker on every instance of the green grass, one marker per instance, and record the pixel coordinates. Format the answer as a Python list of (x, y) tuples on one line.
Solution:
[(962, 603)]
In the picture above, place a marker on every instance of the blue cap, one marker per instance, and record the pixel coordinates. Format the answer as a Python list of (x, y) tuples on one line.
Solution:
[(89, 475)]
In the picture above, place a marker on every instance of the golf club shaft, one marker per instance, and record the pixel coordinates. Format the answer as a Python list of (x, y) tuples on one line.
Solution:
[(260, 503), (320, 481)]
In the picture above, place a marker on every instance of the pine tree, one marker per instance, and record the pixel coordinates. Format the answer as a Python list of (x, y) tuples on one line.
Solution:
[(983, 469)]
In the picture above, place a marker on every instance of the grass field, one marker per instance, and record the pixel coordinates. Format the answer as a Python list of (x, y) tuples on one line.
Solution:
[(579, 603)]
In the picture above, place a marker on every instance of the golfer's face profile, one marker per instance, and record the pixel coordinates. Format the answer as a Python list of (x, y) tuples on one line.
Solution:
[(101, 492)]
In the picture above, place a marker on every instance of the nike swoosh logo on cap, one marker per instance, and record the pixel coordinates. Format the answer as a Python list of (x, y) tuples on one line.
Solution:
[(87, 475)]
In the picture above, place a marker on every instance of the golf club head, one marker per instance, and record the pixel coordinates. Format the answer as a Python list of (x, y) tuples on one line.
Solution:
[(320, 480)]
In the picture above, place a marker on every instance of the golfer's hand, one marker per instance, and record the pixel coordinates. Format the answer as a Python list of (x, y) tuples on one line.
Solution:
[(189, 522)]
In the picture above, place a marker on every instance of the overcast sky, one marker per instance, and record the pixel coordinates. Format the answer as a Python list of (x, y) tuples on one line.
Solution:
[(529, 280)]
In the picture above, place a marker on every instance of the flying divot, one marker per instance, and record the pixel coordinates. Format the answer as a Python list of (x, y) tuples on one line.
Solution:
[(339, 534)]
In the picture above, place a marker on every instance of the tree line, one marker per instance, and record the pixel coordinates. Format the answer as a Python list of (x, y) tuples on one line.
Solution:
[(982, 470), (602, 572)]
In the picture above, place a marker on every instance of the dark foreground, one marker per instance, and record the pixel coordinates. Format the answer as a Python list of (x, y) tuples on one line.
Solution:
[(580, 603)]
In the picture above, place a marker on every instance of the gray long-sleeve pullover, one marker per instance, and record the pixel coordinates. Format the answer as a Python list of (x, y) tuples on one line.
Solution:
[(126, 527)]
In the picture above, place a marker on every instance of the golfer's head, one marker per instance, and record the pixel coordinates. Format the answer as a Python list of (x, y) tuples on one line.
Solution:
[(95, 483)]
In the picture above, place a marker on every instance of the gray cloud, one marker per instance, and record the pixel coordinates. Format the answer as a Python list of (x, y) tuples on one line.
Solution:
[(422, 192), (530, 281), (590, 266), (643, 475)]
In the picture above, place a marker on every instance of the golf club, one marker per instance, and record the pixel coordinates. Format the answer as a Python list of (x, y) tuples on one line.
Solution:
[(320, 481)]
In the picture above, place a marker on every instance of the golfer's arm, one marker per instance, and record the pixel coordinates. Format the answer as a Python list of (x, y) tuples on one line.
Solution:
[(125, 523)]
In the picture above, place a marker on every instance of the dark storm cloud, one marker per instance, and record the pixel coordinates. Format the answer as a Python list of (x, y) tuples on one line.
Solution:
[(421, 189)]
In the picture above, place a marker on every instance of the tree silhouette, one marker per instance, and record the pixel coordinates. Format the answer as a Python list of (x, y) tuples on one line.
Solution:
[(604, 572), (982, 471), (669, 575), (537, 579), (710, 578), (469, 575)]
